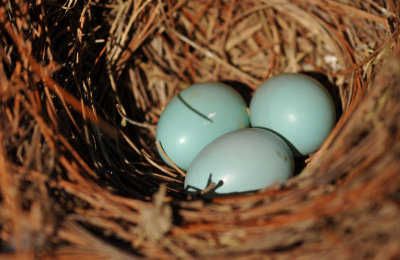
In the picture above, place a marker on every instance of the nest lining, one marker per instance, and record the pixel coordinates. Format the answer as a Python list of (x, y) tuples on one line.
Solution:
[(83, 85)]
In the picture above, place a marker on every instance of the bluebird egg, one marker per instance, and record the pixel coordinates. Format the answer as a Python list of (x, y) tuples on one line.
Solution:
[(195, 117), (296, 107), (241, 161)]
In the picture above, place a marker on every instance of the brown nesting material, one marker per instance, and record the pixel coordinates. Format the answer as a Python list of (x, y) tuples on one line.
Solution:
[(83, 84)]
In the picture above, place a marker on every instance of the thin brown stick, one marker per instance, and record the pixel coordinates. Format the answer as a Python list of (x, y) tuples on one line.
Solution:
[(182, 173)]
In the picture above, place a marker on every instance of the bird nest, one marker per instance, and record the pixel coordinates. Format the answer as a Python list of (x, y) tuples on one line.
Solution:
[(83, 84)]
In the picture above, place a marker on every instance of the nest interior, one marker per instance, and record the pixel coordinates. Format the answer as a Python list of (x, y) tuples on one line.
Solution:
[(83, 84)]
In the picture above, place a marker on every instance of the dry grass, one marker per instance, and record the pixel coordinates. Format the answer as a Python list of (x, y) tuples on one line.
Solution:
[(83, 84)]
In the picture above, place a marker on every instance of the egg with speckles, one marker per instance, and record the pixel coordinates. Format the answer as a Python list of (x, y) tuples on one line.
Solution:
[(297, 108), (241, 161), (195, 117)]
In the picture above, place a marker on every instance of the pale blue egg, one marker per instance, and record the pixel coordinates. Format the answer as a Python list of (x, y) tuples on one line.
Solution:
[(195, 117), (245, 160), (296, 107)]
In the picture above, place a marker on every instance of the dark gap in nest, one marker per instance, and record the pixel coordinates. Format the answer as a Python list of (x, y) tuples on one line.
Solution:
[(124, 183), (396, 196), (67, 202), (127, 98), (360, 133), (348, 230), (60, 36), (339, 178), (6, 247), (177, 218), (127, 184), (299, 164), (292, 246), (243, 89), (393, 129), (266, 252), (147, 185), (9, 69), (329, 221), (8, 65), (26, 188), (101, 233)]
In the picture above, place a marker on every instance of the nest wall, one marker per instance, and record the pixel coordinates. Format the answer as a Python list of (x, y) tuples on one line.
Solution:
[(83, 84)]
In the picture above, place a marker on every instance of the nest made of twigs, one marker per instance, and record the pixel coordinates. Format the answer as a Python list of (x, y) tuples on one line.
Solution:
[(83, 84)]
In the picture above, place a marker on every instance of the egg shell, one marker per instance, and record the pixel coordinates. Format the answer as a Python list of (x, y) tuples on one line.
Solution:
[(296, 107), (195, 117), (244, 160)]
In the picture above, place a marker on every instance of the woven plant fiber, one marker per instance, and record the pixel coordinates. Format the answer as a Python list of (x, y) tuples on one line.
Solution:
[(83, 84)]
